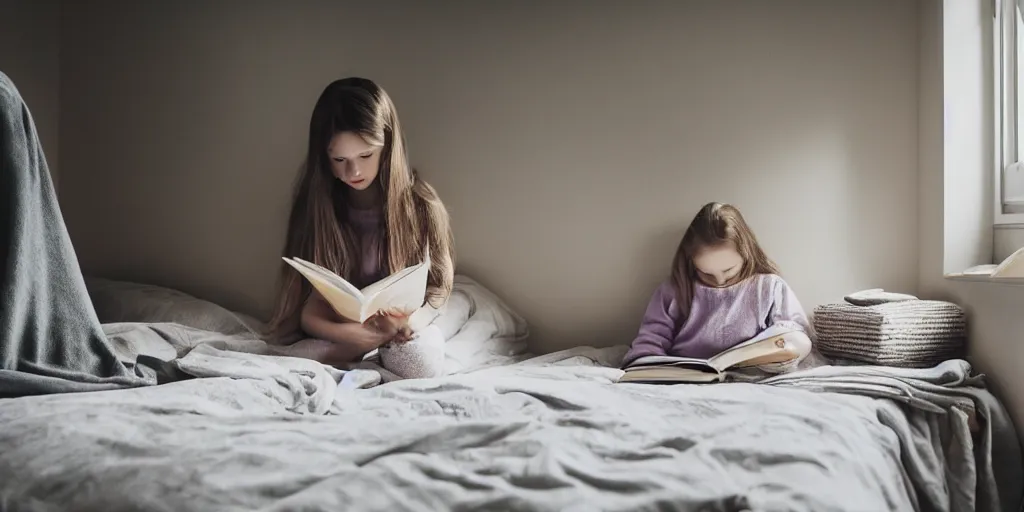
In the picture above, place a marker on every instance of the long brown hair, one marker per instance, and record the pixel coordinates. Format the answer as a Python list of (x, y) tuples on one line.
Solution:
[(318, 231), (716, 224)]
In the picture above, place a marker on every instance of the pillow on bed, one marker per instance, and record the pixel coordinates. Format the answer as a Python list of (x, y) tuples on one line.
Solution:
[(479, 328), (122, 301)]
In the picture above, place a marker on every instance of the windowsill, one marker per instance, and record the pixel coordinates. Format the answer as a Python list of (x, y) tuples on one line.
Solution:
[(1011, 281), (1011, 220)]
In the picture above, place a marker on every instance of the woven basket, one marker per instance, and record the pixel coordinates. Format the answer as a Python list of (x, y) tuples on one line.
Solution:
[(912, 333)]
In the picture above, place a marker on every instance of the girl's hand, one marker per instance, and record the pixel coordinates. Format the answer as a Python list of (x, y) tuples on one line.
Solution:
[(392, 326)]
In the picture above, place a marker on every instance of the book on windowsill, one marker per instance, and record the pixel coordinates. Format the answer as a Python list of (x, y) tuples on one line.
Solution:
[(404, 290), (770, 347), (1011, 268)]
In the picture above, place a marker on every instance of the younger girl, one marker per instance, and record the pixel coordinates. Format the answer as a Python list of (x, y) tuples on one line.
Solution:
[(361, 211), (724, 290)]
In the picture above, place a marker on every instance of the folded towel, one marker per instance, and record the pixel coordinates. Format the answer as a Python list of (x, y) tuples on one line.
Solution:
[(876, 296), (419, 358)]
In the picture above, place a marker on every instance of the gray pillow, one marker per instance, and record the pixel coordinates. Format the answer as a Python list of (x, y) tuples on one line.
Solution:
[(123, 301)]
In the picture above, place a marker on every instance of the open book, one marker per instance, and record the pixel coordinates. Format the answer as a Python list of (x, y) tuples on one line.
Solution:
[(404, 290), (1010, 268), (768, 347)]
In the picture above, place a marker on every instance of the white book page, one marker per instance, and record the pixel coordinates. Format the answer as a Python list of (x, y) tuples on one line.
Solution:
[(379, 286), (404, 293), (345, 304), (749, 349), (330, 277), (1012, 266)]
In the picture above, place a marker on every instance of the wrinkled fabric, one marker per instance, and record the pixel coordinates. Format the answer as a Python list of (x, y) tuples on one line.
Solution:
[(552, 433)]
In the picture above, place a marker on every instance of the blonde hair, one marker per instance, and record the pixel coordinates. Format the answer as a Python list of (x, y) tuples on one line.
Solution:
[(716, 224), (414, 216)]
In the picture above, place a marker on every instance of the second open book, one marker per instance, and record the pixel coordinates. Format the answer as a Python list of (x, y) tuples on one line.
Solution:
[(404, 290), (768, 347)]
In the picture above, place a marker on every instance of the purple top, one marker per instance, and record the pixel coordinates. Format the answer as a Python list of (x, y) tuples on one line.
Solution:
[(719, 318), (367, 227)]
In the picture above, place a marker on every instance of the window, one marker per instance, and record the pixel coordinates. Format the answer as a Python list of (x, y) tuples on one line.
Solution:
[(1009, 178)]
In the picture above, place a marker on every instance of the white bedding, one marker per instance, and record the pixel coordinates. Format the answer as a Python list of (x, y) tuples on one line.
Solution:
[(479, 328)]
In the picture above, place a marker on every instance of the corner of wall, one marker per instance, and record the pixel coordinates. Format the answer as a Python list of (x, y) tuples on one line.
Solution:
[(930, 162)]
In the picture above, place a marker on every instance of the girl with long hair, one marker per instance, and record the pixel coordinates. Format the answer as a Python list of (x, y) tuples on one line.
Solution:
[(361, 211)]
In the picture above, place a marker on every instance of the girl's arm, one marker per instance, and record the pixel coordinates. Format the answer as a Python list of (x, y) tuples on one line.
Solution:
[(350, 341), (786, 310), (658, 327)]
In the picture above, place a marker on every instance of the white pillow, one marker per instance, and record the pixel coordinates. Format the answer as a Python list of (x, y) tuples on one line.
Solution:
[(479, 329)]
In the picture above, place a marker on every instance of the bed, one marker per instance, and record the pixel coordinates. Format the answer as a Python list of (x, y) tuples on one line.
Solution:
[(503, 430)]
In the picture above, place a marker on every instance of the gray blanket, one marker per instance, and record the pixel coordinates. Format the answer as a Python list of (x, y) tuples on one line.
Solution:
[(50, 339), (954, 421), (552, 433)]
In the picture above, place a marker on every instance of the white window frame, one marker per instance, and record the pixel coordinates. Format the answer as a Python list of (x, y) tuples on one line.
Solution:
[(1007, 153)]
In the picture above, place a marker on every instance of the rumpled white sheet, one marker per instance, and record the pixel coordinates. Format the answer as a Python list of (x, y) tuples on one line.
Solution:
[(478, 327)]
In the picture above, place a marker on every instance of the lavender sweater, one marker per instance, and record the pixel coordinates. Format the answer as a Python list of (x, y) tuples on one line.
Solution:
[(719, 318)]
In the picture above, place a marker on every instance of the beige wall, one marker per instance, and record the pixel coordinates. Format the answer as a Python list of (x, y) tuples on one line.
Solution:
[(571, 140), (29, 43)]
